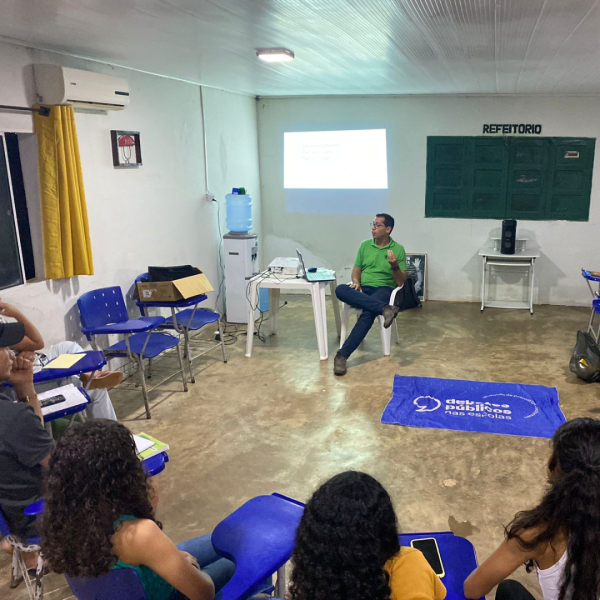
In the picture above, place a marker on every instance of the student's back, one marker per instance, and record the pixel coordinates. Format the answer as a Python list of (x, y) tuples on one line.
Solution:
[(347, 547), (100, 503)]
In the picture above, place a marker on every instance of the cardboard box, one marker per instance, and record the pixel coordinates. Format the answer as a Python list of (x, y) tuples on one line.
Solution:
[(171, 291)]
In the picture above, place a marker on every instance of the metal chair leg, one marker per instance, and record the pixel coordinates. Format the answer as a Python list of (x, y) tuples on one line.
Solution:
[(591, 326), (142, 378), (14, 571), (221, 337), (280, 590), (183, 376), (140, 372), (38, 584), (188, 353)]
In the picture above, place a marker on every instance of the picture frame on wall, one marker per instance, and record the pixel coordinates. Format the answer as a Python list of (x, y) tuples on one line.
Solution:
[(416, 269), (126, 149)]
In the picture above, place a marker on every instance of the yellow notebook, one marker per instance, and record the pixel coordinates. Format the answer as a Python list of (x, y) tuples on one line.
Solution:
[(64, 361)]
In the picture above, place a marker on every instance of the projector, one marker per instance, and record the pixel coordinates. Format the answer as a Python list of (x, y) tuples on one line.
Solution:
[(285, 266)]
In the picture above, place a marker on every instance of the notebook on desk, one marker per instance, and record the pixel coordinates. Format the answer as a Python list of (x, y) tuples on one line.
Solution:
[(73, 397), (318, 275)]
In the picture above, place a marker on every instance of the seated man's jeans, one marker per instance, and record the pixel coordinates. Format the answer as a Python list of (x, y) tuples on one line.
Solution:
[(371, 301)]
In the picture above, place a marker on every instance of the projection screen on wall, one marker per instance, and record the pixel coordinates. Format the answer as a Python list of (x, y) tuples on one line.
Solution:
[(335, 171)]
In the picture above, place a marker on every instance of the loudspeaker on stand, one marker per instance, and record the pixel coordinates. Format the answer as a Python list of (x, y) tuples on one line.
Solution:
[(509, 236)]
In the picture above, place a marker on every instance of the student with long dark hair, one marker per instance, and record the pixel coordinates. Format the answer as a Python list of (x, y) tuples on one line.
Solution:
[(100, 516), (560, 537), (347, 547)]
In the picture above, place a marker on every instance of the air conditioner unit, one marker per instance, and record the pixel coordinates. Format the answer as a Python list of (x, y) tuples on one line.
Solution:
[(62, 85)]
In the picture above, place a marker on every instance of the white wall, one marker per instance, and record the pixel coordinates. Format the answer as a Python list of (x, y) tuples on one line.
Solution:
[(16, 86), (155, 214), (452, 245), (232, 150)]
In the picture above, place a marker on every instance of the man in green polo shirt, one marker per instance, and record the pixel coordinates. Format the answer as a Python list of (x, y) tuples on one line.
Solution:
[(380, 266)]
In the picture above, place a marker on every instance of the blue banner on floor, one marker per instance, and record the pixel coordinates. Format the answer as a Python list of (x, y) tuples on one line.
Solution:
[(503, 408)]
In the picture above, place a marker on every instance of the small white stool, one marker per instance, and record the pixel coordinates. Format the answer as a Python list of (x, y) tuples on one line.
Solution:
[(386, 334)]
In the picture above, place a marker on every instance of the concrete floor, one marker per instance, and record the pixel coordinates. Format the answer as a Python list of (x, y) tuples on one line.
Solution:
[(281, 421)]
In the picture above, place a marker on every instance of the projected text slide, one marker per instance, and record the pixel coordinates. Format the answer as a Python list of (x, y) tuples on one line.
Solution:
[(336, 171), (350, 160)]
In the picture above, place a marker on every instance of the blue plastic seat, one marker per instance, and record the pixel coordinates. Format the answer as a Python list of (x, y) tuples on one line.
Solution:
[(193, 319), (185, 317), (155, 464), (103, 311), (590, 277), (123, 584), (20, 547), (260, 536), (156, 345), (458, 557)]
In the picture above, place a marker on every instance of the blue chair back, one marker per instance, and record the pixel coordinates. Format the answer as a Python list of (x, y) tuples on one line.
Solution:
[(4, 529), (123, 584), (137, 280), (103, 306)]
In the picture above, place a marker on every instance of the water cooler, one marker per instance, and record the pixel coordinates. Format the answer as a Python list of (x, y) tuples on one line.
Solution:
[(241, 255), (241, 262)]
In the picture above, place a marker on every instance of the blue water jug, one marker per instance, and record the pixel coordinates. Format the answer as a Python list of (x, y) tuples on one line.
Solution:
[(239, 211)]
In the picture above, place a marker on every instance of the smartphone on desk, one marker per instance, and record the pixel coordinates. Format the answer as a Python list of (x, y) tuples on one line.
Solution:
[(52, 400), (429, 547)]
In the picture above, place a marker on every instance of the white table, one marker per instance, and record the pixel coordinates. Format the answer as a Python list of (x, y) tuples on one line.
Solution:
[(494, 258), (275, 283)]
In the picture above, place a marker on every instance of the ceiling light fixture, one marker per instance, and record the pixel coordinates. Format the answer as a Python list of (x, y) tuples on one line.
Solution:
[(275, 54)]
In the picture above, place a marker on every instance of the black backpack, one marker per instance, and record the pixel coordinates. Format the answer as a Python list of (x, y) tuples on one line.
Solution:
[(171, 273), (585, 360), (407, 297)]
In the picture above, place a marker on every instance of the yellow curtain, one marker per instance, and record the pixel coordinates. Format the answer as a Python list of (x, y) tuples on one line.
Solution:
[(65, 228)]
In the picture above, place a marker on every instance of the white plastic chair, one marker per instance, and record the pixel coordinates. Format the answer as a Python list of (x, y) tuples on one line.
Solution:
[(386, 334)]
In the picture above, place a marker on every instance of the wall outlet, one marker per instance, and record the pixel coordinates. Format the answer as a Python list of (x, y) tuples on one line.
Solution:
[(209, 197)]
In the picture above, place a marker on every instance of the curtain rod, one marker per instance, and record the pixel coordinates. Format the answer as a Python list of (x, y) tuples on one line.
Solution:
[(43, 111)]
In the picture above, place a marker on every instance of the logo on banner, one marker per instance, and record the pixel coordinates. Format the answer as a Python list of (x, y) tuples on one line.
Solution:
[(426, 403), (492, 406)]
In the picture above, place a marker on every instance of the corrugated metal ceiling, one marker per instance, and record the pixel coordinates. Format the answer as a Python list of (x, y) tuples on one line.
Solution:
[(341, 46)]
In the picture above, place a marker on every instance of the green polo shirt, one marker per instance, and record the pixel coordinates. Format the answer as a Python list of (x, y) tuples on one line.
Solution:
[(375, 267)]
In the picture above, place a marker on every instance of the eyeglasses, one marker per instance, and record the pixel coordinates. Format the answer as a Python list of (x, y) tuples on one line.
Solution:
[(377, 225)]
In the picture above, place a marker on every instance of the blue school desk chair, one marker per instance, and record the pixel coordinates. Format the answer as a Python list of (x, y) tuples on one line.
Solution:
[(103, 312), (19, 571), (260, 535), (186, 317), (590, 277), (259, 538), (123, 584), (458, 557)]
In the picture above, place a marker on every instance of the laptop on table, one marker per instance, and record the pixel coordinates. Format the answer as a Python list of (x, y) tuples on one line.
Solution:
[(318, 275)]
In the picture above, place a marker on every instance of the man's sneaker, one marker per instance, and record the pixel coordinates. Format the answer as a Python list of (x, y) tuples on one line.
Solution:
[(389, 314), (339, 364)]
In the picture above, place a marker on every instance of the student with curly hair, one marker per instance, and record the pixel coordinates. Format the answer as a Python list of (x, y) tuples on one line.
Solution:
[(100, 516), (560, 537), (347, 547)]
